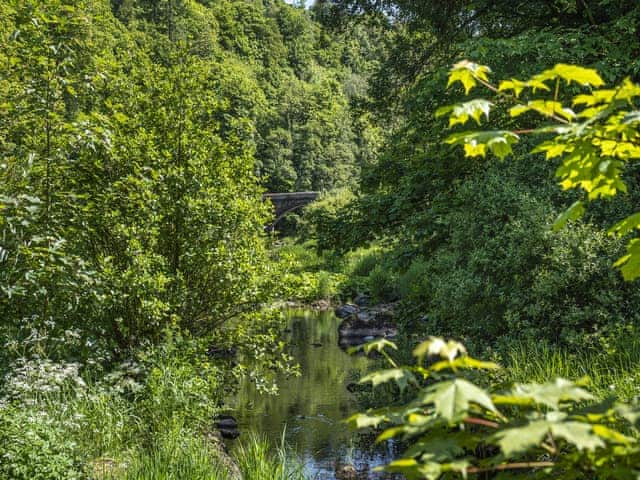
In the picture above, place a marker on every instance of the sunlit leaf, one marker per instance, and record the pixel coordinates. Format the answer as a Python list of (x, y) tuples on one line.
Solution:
[(436, 346), (548, 108), (550, 394), (499, 142), (629, 264), (571, 73), (574, 212), (626, 226), (461, 113), (468, 74)]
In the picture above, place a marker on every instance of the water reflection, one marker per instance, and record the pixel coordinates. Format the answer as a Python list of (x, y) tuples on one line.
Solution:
[(309, 408)]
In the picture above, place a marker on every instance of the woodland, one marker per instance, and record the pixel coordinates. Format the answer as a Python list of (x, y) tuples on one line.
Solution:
[(477, 167)]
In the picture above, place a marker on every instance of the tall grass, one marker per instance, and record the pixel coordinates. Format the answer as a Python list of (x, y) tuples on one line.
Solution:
[(258, 462), (176, 455), (616, 374)]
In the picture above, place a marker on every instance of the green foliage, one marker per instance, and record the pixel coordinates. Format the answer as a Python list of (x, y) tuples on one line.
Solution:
[(326, 221), (411, 284), (382, 283), (455, 428), (258, 461), (362, 261), (175, 455), (36, 445), (595, 143)]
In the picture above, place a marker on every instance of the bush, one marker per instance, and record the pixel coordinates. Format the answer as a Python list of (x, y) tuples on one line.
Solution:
[(411, 282), (35, 445), (382, 284), (362, 262), (327, 220), (326, 287), (454, 428), (497, 270)]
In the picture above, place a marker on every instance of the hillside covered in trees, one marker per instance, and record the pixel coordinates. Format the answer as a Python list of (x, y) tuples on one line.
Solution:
[(477, 163)]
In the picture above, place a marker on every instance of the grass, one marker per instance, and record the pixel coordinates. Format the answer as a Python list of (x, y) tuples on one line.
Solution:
[(609, 374), (258, 462), (176, 455)]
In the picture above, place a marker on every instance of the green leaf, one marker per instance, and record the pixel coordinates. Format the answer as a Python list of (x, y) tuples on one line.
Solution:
[(513, 441), (573, 213), (626, 226), (517, 440), (548, 108), (499, 142), (517, 86), (551, 149), (612, 436), (461, 113), (452, 399), (581, 435), (436, 346), (468, 74), (401, 376), (571, 73), (376, 345), (629, 264), (551, 394), (364, 420), (464, 362)]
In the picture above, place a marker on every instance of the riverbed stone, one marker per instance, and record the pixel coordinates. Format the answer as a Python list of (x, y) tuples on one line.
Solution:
[(346, 310), (227, 425), (362, 300), (226, 421), (368, 323), (230, 466)]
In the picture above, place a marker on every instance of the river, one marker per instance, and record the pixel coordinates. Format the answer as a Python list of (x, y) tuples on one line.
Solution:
[(309, 409)]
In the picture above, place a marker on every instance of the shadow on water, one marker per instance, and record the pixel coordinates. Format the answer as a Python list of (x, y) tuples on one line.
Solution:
[(310, 408)]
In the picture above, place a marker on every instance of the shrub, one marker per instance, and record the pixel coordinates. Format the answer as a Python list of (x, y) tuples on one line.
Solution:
[(454, 428), (326, 286), (364, 261), (35, 445), (327, 220), (382, 284), (411, 282)]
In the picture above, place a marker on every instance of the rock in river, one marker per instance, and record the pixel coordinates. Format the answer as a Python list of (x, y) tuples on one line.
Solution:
[(345, 311), (228, 426), (366, 324)]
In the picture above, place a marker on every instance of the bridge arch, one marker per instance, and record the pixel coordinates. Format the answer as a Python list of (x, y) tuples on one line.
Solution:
[(285, 203)]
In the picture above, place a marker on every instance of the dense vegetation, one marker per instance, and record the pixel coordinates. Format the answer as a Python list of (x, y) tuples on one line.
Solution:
[(137, 280), (468, 240), (136, 139)]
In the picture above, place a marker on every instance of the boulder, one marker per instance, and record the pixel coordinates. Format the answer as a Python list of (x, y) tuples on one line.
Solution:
[(362, 300), (367, 324), (346, 472), (226, 421), (227, 425), (347, 310)]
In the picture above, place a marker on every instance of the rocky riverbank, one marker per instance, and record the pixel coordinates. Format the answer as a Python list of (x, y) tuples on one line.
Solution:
[(363, 322)]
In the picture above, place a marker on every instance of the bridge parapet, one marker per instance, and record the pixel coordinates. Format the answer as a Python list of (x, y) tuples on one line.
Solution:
[(288, 202)]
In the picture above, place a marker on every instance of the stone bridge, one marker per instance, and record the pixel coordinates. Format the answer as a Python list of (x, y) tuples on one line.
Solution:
[(285, 203)]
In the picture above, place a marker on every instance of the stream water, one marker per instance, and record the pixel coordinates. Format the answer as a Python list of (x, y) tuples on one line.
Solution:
[(309, 409)]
